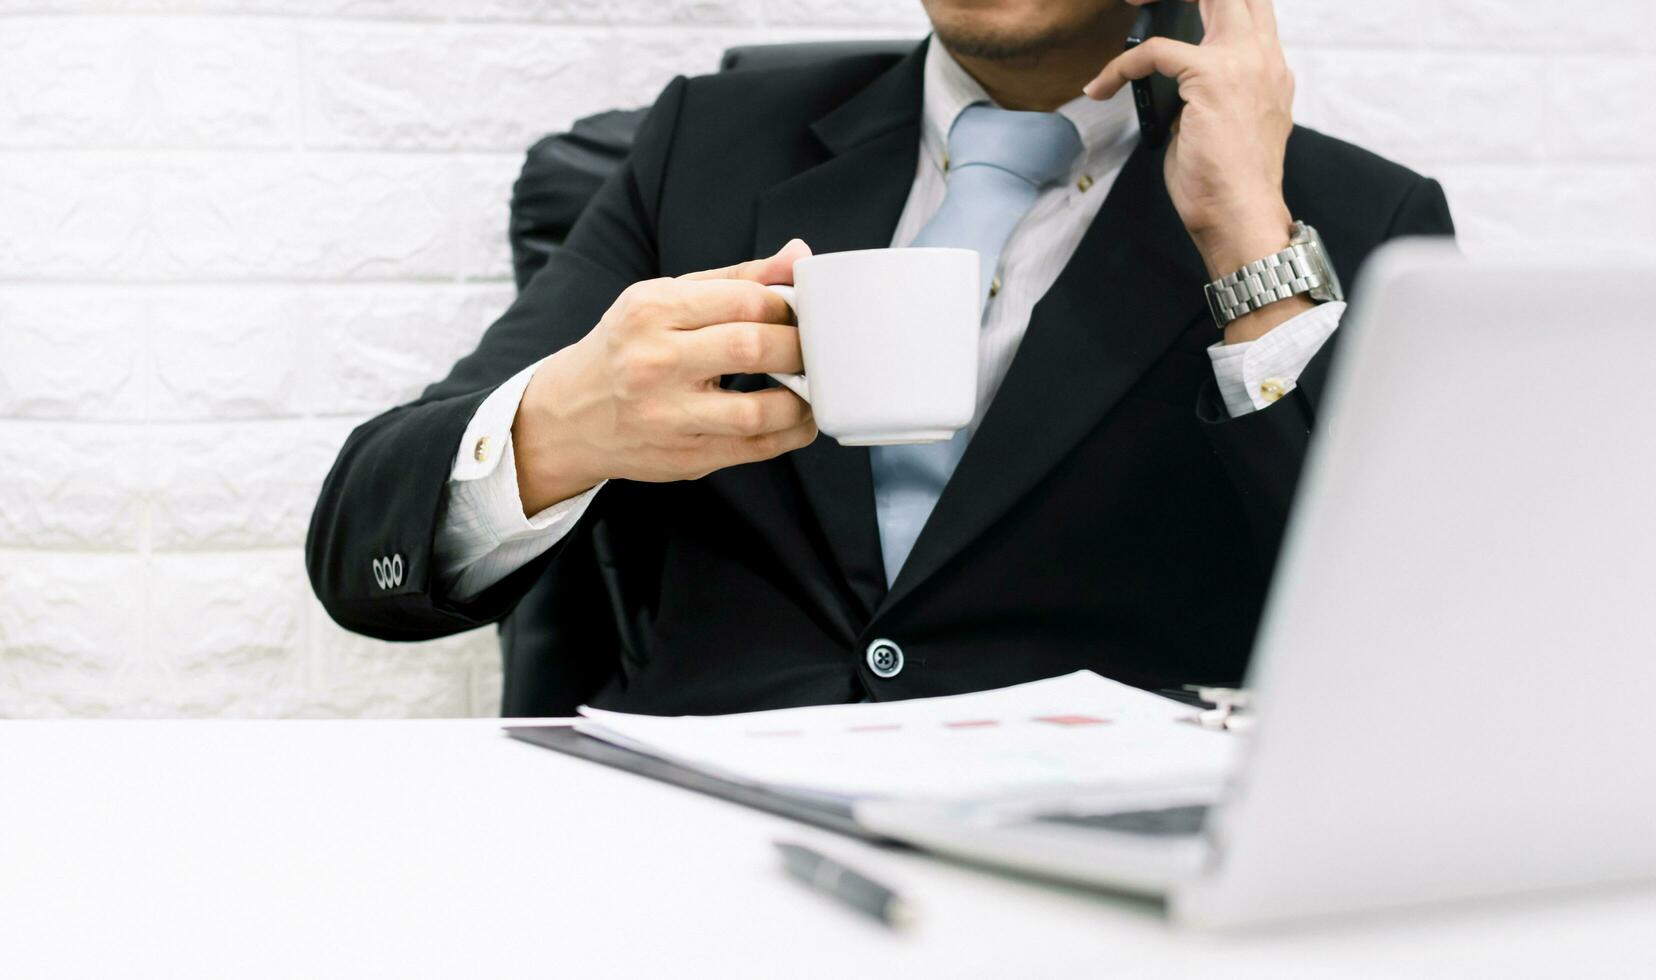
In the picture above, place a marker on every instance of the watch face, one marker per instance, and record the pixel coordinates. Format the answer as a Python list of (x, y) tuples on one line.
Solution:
[(1332, 290)]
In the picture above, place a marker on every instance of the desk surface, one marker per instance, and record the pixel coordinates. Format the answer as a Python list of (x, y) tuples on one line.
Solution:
[(411, 849)]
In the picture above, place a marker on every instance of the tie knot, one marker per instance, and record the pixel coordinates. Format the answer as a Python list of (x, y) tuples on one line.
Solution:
[(1040, 147)]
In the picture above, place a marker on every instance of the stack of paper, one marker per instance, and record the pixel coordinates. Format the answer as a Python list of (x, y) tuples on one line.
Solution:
[(1080, 731)]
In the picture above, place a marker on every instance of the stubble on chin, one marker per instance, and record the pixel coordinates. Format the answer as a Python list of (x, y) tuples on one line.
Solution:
[(1008, 47), (1018, 43)]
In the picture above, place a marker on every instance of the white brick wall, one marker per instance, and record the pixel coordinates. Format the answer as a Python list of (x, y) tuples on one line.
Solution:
[(231, 229)]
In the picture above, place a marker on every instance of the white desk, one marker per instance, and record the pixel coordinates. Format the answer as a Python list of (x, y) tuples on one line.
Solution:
[(412, 849)]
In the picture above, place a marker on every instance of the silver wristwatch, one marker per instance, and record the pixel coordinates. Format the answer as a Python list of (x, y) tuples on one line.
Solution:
[(1301, 268)]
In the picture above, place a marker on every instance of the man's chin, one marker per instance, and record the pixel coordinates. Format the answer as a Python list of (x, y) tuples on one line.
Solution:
[(1009, 30), (992, 43)]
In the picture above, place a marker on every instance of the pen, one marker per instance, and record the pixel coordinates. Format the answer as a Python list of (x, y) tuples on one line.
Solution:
[(860, 892)]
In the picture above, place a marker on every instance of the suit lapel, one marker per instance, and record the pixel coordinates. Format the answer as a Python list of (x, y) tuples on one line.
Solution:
[(852, 199), (1132, 287)]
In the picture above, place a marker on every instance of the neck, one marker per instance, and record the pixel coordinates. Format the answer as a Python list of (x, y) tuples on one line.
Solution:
[(1043, 80)]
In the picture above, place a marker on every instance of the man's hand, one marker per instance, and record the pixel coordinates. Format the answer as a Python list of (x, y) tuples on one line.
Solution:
[(1224, 161), (638, 398)]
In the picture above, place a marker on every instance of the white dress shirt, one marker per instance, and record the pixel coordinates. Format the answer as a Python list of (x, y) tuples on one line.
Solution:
[(484, 536)]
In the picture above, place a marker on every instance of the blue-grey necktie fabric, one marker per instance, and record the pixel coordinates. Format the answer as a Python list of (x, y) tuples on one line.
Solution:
[(998, 162)]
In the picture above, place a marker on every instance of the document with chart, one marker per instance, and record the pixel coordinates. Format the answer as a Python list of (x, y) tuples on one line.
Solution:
[(1078, 731)]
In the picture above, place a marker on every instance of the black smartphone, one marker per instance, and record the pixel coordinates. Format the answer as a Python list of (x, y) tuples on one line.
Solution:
[(1157, 96)]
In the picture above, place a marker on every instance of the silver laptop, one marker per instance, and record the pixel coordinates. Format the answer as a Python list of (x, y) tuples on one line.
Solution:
[(1454, 687)]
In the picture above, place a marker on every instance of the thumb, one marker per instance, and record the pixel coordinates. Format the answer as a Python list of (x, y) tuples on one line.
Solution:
[(774, 270)]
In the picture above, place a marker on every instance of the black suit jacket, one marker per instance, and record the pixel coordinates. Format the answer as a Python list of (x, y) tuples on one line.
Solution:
[(1106, 515)]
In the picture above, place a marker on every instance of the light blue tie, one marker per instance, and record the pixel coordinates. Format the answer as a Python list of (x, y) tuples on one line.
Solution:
[(998, 162)]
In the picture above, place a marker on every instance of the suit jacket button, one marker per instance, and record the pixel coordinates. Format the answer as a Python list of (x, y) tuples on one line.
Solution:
[(381, 574), (885, 658)]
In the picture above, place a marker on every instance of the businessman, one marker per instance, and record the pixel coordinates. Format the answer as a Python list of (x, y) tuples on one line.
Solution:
[(614, 449)]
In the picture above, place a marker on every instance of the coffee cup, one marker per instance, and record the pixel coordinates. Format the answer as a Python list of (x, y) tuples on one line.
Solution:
[(890, 342)]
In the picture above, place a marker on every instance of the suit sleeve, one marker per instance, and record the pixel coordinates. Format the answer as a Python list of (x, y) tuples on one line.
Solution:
[(1263, 452), (381, 504)]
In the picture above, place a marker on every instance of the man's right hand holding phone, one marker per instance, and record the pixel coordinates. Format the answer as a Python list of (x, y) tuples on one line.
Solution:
[(1224, 163)]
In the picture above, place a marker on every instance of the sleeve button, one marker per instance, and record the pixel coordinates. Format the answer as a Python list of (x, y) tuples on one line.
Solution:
[(1272, 389), (481, 451)]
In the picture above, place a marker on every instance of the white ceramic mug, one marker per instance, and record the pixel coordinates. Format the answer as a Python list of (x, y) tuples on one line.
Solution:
[(890, 341)]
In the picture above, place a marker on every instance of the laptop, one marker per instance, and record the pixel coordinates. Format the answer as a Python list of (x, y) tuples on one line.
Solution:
[(1454, 684)]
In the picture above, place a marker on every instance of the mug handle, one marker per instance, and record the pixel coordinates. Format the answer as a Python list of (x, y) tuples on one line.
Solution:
[(795, 383)]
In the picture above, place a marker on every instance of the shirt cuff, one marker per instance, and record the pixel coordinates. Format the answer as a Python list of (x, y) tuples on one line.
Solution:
[(484, 443), (1254, 374), (484, 535), (494, 499)]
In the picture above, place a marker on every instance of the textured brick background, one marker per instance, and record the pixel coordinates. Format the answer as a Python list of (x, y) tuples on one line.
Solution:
[(231, 229)]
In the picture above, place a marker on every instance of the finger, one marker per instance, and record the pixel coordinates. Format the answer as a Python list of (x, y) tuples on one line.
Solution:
[(1159, 54), (773, 270), (1264, 16), (752, 449), (746, 413), (740, 348), (1223, 18), (702, 303)]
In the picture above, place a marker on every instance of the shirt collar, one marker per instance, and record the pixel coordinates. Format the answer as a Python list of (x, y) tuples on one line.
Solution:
[(949, 89)]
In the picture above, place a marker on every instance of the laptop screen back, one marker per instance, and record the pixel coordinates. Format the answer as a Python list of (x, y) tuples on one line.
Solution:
[(1456, 672)]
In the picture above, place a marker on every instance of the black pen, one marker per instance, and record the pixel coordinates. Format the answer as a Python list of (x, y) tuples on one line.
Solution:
[(862, 893)]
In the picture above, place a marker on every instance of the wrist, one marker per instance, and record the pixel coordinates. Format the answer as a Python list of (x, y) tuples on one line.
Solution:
[(1248, 237), (554, 460), (1228, 246)]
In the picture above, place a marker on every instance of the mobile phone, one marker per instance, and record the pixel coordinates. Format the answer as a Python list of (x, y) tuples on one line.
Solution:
[(1157, 96)]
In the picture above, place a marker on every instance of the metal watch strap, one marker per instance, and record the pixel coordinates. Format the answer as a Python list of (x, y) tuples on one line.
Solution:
[(1293, 271)]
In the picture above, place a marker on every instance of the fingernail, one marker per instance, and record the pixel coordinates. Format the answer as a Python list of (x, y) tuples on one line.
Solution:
[(1090, 90)]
